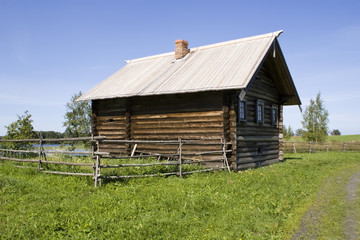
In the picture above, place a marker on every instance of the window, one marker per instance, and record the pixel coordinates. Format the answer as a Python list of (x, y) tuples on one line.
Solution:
[(242, 111), (259, 112), (274, 115)]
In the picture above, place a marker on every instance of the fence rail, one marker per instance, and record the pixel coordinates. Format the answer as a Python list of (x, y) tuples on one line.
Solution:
[(95, 158), (312, 147)]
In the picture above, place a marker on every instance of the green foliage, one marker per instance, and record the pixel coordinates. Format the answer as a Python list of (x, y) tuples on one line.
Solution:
[(335, 132), (20, 129), (315, 121), (299, 132), (50, 134), (77, 118), (288, 133), (263, 203)]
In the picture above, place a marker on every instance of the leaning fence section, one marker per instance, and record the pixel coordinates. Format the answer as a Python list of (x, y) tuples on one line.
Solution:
[(313, 147), (102, 165)]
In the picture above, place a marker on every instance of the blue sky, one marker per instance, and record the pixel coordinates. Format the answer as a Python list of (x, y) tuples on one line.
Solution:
[(50, 50)]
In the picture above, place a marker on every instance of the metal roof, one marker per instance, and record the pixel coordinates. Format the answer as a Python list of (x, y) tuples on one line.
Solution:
[(221, 66)]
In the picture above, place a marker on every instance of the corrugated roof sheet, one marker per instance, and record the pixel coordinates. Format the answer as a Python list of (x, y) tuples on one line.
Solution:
[(226, 65)]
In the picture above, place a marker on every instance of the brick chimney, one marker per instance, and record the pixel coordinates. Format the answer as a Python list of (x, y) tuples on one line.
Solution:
[(181, 48)]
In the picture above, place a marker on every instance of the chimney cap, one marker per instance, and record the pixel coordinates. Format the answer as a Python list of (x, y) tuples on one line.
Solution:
[(181, 41)]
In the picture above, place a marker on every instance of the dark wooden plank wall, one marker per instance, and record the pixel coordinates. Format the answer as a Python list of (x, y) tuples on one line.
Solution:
[(258, 145), (167, 117), (108, 119)]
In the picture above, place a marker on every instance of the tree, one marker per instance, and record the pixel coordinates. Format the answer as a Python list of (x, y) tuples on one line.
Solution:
[(78, 118), (20, 129), (335, 132), (288, 133), (315, 121), (299, 132)]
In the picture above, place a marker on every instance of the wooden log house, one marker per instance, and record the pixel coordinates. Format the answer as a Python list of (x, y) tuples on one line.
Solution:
[(232, 90)]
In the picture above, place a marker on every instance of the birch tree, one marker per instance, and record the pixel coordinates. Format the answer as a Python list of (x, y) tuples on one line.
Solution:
[(315, 121)]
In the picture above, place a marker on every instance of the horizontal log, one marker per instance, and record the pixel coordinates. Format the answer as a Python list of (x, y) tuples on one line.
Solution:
[(217, 130), (247, 129), (257, 158), (107, 118), (143, 156), (20, 151), (72, 152), (186, 148), (74, 139), (202, 161), (139, 164), (254, 148), (205, 153), (111, 134), (258, 138), (179, 125), (69, 173), (140, 141), (200, 120), (18, 160), (111, 112), (109, 127), (111, 146), (255, 153), (188, 136), (178, 115)]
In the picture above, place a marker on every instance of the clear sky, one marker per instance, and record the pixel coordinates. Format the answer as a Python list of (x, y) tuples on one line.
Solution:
[(50, 50)]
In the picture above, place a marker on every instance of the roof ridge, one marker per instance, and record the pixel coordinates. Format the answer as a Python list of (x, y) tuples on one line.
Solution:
[(213, 45)]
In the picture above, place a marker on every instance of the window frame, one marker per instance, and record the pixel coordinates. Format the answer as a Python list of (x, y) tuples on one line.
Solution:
[(261, 104), (274, 122), (244, 119)]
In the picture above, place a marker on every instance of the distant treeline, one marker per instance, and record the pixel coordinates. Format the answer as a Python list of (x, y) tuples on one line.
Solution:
[(49, 134), (52, 134)]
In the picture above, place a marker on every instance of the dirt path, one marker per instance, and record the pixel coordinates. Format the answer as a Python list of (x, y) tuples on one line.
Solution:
[(311, 222), (351, 215)]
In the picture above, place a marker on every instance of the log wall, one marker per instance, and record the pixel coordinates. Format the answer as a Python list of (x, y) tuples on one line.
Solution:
[(167, 117), (109, 119), (258, 144)]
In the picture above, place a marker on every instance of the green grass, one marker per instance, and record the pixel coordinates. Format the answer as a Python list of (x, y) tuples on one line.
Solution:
[(344, 138), (341, 138), (263, 203)]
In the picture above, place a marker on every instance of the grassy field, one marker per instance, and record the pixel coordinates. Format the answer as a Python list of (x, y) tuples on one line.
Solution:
[(341, 138), (263, 203)]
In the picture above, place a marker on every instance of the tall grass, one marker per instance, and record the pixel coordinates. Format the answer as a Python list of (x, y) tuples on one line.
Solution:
[(264, 203)]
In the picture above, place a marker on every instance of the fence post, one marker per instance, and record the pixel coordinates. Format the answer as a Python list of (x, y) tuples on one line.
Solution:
[(225, 163), (293, 147), (180, 157), (97, 170), (309, 147), (326, 147), (40, 153), (96, 167), (344, 147)]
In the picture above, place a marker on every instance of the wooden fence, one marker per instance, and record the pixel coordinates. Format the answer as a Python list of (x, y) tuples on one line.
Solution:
[(178, 159), (312, 147)]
